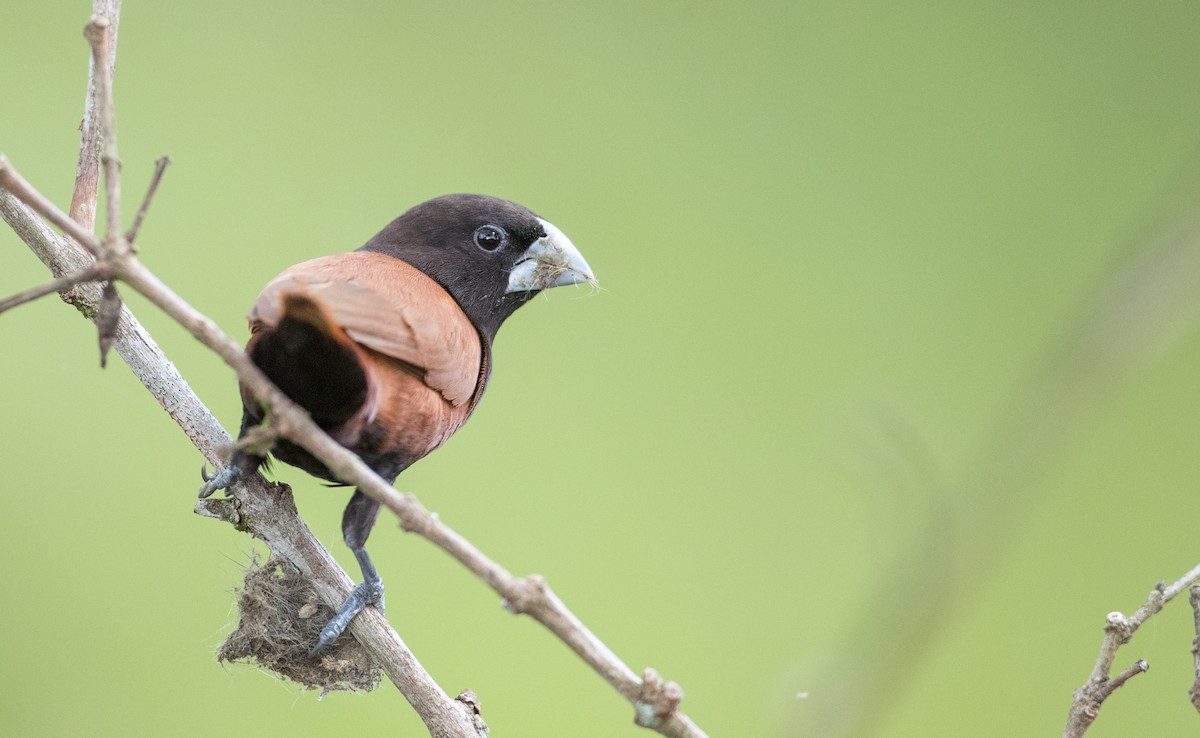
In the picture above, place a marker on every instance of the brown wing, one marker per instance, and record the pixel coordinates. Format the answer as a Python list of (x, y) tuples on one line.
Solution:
[(390, 307)]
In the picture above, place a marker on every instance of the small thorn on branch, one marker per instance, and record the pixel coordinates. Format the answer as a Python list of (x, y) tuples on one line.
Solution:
[(160, 165)]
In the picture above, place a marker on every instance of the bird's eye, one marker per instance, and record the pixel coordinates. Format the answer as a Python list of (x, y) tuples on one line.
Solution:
[(490, 237)]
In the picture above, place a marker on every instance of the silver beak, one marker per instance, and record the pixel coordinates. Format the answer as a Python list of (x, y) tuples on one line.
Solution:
[(550, 261)]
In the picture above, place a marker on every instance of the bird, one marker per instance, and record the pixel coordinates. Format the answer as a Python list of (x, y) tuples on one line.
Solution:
[(389, 347)]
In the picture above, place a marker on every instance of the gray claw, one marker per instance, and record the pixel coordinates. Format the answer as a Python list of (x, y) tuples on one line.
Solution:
[(369, 592), (220, 480)]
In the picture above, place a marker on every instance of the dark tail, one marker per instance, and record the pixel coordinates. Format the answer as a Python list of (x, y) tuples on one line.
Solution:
[(314, 362)]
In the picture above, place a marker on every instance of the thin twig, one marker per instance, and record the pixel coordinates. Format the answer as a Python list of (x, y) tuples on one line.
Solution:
[(160, 166), (90, 274), (1138, 667)]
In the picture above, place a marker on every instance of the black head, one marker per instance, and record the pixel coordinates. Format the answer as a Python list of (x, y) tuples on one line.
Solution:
[(491, 255)]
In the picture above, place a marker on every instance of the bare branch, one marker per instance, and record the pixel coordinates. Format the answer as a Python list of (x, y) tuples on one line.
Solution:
[(533, 597), (1119, 630)]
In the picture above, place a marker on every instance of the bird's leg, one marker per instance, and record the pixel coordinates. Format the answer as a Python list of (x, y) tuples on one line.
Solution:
[(369, 592), (357, 522)]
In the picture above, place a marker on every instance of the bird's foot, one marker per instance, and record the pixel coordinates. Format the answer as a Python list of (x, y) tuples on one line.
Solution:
[(370, 592), (227, 477)]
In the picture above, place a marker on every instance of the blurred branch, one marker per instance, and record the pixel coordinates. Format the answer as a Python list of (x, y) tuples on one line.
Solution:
[(258, 507), (1144, 308), (1119, 630)]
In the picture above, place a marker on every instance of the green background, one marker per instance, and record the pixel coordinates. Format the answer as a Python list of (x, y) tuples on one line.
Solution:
[(803, 441)]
